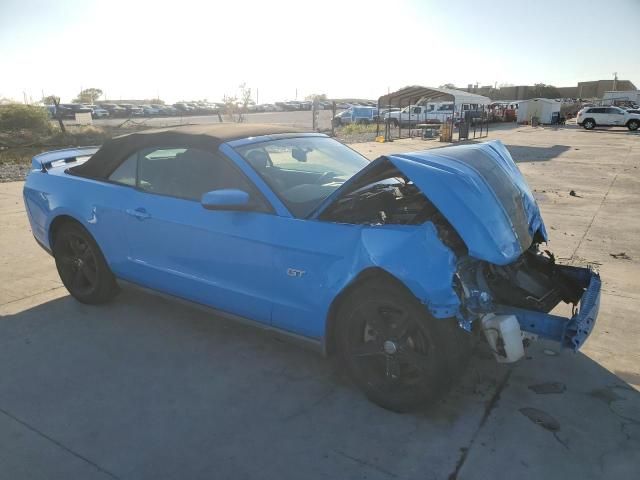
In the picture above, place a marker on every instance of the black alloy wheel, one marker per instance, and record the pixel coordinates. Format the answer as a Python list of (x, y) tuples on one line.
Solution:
[(394, 350), (81, 265)]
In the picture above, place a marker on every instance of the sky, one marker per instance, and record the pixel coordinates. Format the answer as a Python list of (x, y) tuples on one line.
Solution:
[(193, 50)]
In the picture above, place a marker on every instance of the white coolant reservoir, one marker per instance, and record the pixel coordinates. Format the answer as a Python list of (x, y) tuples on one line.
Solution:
[(504, 336)]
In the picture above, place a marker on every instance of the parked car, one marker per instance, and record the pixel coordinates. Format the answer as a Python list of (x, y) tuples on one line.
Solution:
[(166, 110), (359, 115), (591, 117), (69, 110), (114, 110), (183, 108), (97, 111), (390, 264), (132, 110), (149, 111)]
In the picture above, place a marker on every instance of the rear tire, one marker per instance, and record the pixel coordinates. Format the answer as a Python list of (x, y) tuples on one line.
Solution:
[(400, 356), (589, 124), (633, 125), (81, 265)]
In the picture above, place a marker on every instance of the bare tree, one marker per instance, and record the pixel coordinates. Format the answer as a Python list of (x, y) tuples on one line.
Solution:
[(230, 107)]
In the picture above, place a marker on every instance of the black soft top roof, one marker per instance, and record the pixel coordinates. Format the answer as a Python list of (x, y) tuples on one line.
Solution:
[(204, 137)]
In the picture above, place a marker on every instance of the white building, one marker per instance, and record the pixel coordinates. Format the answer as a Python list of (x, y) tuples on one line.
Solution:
[(611, 97), (542, 108)]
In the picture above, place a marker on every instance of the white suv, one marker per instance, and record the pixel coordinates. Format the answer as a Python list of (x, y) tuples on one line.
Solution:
[(589, 117)]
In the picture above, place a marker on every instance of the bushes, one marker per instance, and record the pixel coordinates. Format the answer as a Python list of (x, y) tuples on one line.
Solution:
[(356, 128), (23, 117)]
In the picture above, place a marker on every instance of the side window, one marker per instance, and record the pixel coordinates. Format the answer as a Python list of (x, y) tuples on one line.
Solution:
[(597, 110), (125, 174), (417, 110), (188, 173), (185, 173)]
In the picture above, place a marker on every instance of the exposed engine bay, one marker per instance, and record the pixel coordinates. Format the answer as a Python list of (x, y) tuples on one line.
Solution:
[(533, 282), (387, 197)]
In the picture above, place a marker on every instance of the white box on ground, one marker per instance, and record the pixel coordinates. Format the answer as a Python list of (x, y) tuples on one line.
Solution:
[(84, 119)]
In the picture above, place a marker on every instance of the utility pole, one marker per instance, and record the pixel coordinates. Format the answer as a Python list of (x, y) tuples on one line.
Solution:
[(615, 81), (257, 96)]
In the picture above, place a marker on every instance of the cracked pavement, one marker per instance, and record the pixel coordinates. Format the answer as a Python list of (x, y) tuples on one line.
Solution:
[(146, 388)]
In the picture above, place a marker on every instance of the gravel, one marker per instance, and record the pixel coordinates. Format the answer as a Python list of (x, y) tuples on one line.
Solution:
[(13, 172)]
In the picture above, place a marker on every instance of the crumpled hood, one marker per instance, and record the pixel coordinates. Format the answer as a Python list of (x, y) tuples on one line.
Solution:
[(483, 195)]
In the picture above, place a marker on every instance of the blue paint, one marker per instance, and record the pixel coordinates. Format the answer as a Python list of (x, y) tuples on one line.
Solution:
[(241, 261)]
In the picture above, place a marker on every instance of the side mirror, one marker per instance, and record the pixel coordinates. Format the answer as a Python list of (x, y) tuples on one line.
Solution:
[(226, 199)]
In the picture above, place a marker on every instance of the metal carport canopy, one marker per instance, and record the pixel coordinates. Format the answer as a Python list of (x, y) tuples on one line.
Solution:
[(417, 93)]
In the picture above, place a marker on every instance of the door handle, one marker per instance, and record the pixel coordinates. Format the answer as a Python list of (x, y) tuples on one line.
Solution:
[(139, 213)]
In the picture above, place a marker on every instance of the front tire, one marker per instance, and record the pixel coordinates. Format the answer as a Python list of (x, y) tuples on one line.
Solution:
[(399, 355), (633, 125), (81, 265), (589, 124)]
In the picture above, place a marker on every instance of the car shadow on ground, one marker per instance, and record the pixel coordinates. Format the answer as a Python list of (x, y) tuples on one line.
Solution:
[(522, 153), (149, 388)]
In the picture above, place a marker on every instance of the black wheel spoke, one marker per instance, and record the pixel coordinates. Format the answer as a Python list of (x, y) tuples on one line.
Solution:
[(87, 255), (417, 360), (78, 280), (76, 247), (380, 327), (392, 368), (399, 325), (367, 349), (88, 273)]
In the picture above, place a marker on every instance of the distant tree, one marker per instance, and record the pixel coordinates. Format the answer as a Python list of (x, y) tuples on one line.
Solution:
[(88, 95), (447, 85), (541, 90), (51, 100), (245, 95)]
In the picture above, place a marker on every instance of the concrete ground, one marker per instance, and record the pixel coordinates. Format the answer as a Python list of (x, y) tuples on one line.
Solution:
[(148, 389)]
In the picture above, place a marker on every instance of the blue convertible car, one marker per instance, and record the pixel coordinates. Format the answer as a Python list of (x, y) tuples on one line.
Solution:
[(392, 264)]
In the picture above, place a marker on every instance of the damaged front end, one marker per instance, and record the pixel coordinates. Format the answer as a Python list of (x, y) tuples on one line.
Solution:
[(529, 289), (484, 214)]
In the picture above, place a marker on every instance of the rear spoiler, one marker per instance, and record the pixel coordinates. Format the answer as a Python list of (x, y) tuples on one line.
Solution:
[(55, 158)]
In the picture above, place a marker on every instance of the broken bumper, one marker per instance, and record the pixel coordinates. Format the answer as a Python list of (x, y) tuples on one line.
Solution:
[(569, 332)]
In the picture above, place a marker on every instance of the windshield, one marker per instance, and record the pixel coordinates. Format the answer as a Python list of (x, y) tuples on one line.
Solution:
[(303, 171)]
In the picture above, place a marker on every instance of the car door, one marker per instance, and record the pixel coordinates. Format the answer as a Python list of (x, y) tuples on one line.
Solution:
[(176, 246), (615, 116), (600, 115)]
